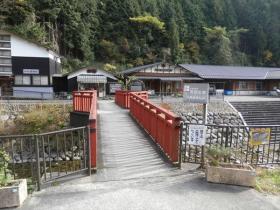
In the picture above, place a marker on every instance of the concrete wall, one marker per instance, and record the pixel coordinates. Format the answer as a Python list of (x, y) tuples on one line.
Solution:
[(33, 92)]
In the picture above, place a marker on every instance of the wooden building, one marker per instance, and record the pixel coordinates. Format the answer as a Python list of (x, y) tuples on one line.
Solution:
[(162, 78), (26, 68), (92, 78), (238, 80)]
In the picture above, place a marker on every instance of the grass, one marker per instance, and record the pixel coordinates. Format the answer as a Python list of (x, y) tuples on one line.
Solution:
[(268, 181)]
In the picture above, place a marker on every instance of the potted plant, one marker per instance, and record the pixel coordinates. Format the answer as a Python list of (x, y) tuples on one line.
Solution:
[(12, 192), (219, 171)]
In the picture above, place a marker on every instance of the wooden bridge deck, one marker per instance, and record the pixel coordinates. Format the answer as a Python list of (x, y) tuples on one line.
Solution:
[(125, 151)]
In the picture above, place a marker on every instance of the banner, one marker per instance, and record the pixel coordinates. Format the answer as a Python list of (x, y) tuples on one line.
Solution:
[(259, 136)]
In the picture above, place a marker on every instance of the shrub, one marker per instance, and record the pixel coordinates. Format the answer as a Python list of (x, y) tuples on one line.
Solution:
[(5, 176), (44, 119), (218, 154)]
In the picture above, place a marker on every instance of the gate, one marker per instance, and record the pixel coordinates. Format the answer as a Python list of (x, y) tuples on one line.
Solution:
[(238, 139), (48, 157)]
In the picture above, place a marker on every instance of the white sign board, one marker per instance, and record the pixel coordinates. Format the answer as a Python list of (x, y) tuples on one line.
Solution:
[(114, 87), (31, 71), (135, 88), (197, 135), (196, 93)]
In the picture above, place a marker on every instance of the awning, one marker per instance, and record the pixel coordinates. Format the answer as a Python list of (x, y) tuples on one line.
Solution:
[(91, 79)]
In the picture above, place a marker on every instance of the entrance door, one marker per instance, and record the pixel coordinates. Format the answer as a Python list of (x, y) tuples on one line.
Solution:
[(100, 88)]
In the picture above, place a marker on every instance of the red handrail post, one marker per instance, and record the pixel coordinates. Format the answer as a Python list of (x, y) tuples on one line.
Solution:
[(93, 129), (122, 97), (86, 101), (93, 142)]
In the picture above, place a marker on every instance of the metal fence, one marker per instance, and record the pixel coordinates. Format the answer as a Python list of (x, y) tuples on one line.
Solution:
[(44, 158), (238, 139)]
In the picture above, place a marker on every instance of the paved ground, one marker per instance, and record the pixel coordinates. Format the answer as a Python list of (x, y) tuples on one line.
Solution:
[(132, 175)]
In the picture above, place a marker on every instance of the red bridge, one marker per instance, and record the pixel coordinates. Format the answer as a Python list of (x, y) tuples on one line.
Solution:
[(130, 131)]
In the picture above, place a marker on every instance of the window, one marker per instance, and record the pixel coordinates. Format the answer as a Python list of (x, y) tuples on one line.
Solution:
[(40, 80), (36, 80), (26, 80), (5, 69), (243, 85), (5, 37), (18, 80), (5, 53), (44, 80), (259, 85), (5, 61), (22, 80), (5, 44)]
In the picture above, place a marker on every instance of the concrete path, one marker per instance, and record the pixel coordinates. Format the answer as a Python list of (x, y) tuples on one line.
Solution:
[(132, 175)]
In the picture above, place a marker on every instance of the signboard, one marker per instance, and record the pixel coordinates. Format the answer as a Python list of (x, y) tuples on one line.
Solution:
[(164, 70), (259, 136), (197, 135), (136, 86), (31, 71), (196, 93), (114, 87)]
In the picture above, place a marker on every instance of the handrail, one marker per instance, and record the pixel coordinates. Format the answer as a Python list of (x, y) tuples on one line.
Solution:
[(86, 101), (122, 97), (82, 100), (162, 125), (93, 130)]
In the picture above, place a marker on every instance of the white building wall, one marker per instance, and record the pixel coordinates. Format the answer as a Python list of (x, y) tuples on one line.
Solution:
[(23, 48)]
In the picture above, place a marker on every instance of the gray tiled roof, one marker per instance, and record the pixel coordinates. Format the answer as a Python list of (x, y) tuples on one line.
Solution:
[(273, 75), (168, 78), (233, 72)]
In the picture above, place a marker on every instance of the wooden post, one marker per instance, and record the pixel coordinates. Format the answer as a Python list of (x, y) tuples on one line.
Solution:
[(205, 111)]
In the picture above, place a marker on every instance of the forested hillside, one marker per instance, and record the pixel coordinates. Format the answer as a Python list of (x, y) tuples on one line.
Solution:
[(125, 33)]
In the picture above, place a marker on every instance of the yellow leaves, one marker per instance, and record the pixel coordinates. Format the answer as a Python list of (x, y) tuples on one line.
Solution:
[(267, 55), (181, 46), (109, 67), (148, 19)]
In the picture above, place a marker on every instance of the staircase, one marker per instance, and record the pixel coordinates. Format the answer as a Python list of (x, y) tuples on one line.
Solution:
[(259, 112)]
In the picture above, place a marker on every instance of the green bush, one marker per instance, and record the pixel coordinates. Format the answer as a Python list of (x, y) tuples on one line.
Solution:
[(49, 119), (5, 176), (41, 119), (218, 154)]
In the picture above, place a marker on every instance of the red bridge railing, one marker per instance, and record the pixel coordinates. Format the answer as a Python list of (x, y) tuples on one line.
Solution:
[(86, 101), (122, 97), (82, 100), (163, 126)]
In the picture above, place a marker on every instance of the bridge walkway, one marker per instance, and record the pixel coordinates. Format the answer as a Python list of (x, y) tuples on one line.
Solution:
[(125, 151)]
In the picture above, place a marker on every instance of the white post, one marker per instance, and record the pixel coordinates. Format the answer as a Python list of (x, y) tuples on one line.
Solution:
[(205, 112)]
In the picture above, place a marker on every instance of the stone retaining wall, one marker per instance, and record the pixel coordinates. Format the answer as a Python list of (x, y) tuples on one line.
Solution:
[(218, 113)]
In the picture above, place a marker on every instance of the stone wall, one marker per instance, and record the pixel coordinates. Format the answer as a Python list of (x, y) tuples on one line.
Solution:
[(218, 113)]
